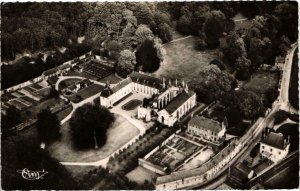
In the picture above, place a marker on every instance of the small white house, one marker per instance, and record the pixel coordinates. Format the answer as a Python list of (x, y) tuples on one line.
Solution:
[(274, 147)]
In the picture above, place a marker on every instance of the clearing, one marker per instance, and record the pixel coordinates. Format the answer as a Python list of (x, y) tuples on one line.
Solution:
[(261, 81), (120, 133), (183, 61), (140, 174)]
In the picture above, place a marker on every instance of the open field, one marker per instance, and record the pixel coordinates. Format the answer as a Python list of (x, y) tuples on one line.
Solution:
[(140, 174), (261, 81), (183, 61), (120, 133)]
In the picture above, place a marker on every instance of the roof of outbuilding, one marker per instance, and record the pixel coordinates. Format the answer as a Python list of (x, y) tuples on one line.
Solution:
[(206, 123), (275, 140)]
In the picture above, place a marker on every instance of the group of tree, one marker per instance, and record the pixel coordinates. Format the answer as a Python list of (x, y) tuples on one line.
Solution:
[(11, 118), (269, 36), (19, 153), (36, 26), (89, 125), (48, 126)]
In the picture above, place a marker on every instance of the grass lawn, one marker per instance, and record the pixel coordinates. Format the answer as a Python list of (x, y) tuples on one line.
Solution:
[(90, 91), (112, 79), (261, 81), (140, 174), (183, 61), (64, 113), (120, 133), (132, 104)]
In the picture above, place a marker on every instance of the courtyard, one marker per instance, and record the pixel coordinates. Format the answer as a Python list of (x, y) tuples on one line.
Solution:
[(173, 153)]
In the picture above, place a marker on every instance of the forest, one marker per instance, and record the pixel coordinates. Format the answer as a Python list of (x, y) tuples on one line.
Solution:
[(45, 35)]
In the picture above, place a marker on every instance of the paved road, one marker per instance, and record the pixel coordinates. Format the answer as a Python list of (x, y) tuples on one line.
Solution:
[(285, 83)]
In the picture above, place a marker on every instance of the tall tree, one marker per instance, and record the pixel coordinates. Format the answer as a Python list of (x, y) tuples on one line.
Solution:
[(48, 126), (89, 125), (146, 57), (126, 63)]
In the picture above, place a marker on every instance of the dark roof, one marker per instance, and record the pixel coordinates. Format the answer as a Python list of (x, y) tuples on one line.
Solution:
[(205, 123), (109, 91), (239, 174), (50, 71), (178, 101), (64, 66), (146, 80), (275, 140)]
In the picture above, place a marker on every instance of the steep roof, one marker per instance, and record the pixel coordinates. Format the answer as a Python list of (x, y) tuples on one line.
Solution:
[(205, 123), (178, 101), (275, 140), (109, 91), (146, 80)]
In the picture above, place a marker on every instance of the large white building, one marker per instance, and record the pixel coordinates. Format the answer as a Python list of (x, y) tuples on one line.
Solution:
[(274, 147), (169, 102), (109, 95), (207, 129)]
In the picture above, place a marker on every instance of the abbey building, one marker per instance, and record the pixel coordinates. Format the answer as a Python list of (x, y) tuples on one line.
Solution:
[(167, 101)]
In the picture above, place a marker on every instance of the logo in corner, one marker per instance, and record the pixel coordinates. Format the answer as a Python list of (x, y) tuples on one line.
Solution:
[(32, 175)]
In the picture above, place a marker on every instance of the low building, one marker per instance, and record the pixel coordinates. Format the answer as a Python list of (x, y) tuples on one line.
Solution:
[(109, 95), (274, 147), (207, 129), (240, 174)]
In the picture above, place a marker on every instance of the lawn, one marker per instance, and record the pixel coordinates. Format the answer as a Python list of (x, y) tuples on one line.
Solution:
[(140, 174), (183, 61), (261, 81), (90, 91), (132, 104), (120, 133)]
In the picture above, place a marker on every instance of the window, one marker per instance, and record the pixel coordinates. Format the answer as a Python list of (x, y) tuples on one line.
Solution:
[(271, 150), (279, 152), (262, 147)]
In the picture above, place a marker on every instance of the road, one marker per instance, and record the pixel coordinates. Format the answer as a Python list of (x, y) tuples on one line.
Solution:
[(285, 82)]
